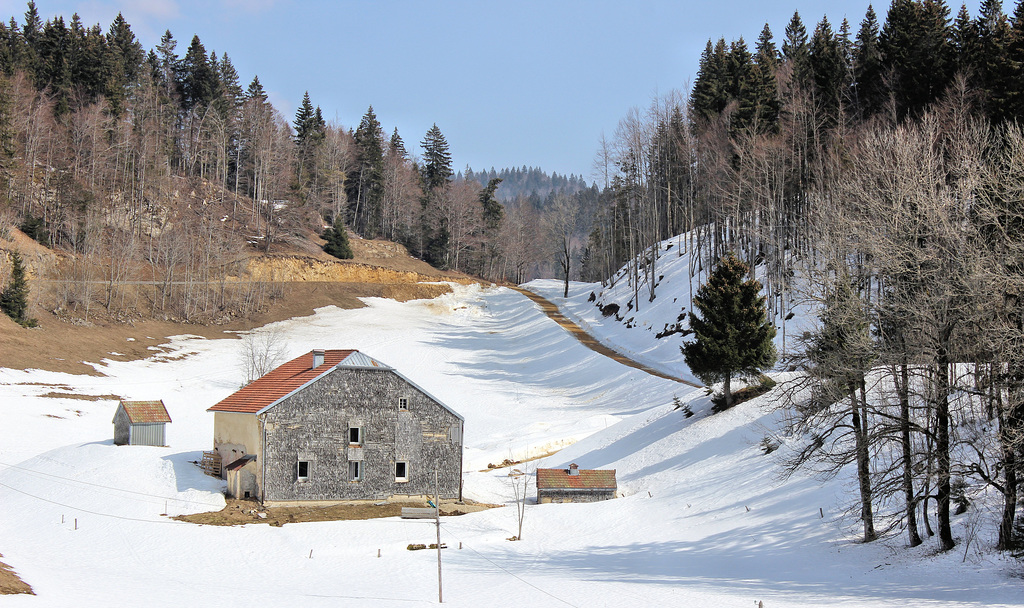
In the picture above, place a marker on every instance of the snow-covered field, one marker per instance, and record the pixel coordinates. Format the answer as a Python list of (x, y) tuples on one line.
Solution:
[(704, 519)]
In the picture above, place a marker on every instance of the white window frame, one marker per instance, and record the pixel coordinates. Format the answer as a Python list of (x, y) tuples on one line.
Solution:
[(405, 465), (358, 466), (298, 470), (359, 431), (403, 404)]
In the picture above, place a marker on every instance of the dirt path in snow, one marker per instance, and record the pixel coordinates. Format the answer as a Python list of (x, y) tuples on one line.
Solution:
[(587, 340)]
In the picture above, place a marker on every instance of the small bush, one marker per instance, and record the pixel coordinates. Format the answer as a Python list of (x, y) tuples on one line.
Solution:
[(609, 309)]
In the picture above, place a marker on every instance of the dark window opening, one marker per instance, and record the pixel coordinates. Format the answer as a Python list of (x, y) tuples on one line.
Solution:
[(355, 470), (303, 470), (401, 471), (355, 435)]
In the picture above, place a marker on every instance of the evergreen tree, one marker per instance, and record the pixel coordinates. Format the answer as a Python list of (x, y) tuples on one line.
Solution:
[(198, 79), (964, 44), (795, 50), (711, 88), (304, 121), (396, 147), (991, 62), (437, 160), (255, 91), (337, 240), (14, 298), (766, 87), (869, 92), (367, 189), (733, 336), (828, 71)]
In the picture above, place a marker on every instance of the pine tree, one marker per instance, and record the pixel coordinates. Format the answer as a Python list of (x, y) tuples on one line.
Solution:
[(437, 160), (367, 190), (337, 240), (14, 298), (766, 87), (828, 70), (710, 88), (994, 70), (198, 79), (396, 147), (733, 336), (795, 50), (867, 67)]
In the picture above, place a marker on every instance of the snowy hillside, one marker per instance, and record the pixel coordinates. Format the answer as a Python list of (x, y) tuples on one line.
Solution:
[(643, 329), (703, 518)]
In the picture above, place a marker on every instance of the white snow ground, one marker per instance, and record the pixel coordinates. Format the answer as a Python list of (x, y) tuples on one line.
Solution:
[(704, 520)]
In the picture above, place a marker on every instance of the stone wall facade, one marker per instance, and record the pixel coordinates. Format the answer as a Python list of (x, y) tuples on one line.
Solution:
[(310, 443)]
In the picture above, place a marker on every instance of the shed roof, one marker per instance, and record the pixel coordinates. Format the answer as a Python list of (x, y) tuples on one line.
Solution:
[(289, 377), (145, 412), (587, 479)]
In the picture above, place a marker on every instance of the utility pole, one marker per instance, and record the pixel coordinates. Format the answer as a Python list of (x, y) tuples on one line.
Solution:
[(437, 519)]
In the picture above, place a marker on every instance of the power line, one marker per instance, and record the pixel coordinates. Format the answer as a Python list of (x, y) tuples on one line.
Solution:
[(518, 578), (97, 485), (66, 506)]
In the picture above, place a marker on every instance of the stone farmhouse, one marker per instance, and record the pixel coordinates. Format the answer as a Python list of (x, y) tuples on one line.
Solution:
[(336, 425)]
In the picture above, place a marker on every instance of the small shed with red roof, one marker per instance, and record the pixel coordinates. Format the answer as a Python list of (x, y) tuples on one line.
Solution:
[(335, 425), (575, 484), (140, 423)]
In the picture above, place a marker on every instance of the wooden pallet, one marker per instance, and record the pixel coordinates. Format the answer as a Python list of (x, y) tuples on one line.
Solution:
[(211, 464)]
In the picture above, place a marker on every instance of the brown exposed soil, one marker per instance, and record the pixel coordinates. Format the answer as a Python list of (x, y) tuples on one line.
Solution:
[(302, 279), (10, 584), (239, 512)]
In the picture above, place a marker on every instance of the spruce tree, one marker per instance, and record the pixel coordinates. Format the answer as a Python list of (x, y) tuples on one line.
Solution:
[(367, 189), (733, 336), (867, 67), (437, 160), (795, 50), (14, 298), (337, 240)]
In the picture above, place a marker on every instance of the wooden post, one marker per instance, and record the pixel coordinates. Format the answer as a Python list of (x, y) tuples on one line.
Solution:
[(437, 519)]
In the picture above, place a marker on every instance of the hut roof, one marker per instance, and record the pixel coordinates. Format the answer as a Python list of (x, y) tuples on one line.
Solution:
[(584, 479), (145, 412)]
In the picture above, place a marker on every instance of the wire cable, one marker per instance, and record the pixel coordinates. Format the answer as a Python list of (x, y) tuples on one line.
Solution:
[(518, 578)]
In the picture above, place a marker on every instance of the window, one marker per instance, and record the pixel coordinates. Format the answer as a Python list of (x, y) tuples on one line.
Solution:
[(401, 471), (355, 470), (403, 404), (303, 470), (355, 435)]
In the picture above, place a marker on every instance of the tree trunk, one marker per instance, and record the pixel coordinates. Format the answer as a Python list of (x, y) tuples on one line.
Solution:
[(903, 388), (858, 409), (942, 459)]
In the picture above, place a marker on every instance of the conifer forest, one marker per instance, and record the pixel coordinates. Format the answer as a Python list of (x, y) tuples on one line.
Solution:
[(873, 170)]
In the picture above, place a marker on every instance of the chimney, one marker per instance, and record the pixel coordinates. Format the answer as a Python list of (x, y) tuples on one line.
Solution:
[(574, 469), (318, 358)]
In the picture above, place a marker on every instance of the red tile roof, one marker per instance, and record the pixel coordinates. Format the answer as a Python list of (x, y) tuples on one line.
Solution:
[(588, 479), (279, 382), (143, 412)]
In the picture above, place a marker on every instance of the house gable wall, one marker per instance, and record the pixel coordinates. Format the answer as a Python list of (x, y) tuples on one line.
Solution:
[(236, 435), (313, 424)]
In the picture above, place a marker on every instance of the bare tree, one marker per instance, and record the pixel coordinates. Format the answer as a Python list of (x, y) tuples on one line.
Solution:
[(261, 351), (561, 223)]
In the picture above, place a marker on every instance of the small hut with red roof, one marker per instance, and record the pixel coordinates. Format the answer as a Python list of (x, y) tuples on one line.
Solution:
[(140, 423)]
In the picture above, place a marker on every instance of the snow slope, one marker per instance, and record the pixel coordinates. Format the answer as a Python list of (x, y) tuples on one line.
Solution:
[(704, 519), (633, 330)]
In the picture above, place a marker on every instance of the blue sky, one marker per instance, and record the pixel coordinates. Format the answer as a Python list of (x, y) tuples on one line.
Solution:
[(508, 83)]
